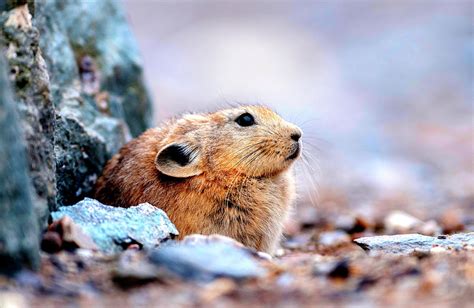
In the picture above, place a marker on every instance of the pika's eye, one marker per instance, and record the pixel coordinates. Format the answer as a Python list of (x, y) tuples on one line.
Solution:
[(245, 119)]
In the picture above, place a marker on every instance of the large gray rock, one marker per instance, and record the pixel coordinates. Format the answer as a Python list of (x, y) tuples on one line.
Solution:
[(77, 72), (30, 80), (96, 86), (112, 228), (409, 243), (19, 232), (78, 90)]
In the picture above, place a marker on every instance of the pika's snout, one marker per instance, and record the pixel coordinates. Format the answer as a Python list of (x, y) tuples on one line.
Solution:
[(296, 136), (295, 148)]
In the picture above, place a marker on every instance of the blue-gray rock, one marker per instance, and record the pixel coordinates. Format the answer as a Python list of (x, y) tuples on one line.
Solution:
[(6, 5), (97, 48), (206, 260), (77, 73), (99, 30), (78, 89), (96, 87), (30, 81), (111, 228), (409, 243), (19, 232)]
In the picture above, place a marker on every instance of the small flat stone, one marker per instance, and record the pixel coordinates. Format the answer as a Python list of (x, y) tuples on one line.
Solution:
[(206, 260), (110, 227), (408, 243)]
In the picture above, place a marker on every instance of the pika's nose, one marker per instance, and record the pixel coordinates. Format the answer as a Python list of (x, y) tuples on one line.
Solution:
[(296, 136)]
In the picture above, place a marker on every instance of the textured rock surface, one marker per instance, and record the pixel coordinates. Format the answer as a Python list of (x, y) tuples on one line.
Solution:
[(408, 243), (77, 83), (97, 30), (112, 228), (76, 70), (30, 80), (19, 233), (206, 258), (96, 85)]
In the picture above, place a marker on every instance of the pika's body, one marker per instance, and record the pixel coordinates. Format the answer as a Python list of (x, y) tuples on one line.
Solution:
[(227, 172)]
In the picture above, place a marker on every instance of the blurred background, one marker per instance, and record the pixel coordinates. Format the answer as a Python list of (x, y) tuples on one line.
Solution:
[(383, 90)]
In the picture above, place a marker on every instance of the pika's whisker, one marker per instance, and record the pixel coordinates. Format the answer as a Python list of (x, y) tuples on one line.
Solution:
[(310, 172)]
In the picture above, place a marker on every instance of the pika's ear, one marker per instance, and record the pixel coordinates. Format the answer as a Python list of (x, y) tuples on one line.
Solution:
[(179, 160)]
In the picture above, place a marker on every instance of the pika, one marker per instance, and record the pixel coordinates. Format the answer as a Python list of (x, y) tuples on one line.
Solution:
[(227, 172)]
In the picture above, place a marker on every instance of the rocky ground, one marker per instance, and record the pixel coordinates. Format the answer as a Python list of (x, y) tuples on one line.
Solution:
[(330, 256)]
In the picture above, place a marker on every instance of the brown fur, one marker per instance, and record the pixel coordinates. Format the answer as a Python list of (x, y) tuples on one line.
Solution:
[(239, 184)]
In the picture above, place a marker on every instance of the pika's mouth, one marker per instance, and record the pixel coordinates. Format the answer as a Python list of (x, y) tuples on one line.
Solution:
[(296, 152)]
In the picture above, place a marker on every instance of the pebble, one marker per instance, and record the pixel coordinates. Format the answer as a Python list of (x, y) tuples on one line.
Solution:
[(308, 216), (333, 238), (353, 223), (71, 235), (133, 268), (430, 227), (451, 221), (51, 242), (340, 270), (298, 241), (323, 268), (400, 222)]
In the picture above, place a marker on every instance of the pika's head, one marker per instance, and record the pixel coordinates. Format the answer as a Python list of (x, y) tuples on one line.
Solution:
[(250, 140)]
